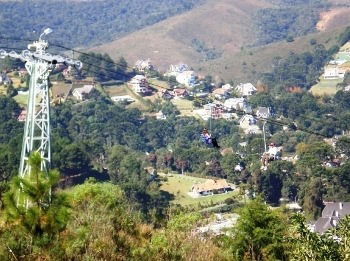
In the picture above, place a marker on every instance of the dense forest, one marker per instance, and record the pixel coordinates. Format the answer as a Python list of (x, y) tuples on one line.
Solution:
[(84, 23)]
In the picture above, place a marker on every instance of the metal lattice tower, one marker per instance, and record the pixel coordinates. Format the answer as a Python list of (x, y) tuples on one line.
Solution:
[(39, 65)]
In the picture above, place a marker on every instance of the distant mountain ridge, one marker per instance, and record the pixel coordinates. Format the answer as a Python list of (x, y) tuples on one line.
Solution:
[(221, 37)]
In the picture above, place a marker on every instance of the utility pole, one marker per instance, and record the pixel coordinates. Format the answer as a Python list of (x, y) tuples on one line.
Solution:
[(264, 122), (39, 65)]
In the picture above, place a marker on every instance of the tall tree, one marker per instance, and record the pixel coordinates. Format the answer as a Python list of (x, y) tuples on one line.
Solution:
[(258, 234)]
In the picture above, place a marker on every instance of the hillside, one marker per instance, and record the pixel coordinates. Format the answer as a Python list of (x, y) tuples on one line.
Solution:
[(217, 24), (231, 35)]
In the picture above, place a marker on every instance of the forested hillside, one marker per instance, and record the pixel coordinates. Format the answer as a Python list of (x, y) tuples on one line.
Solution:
[(288, 20), (84, 23)]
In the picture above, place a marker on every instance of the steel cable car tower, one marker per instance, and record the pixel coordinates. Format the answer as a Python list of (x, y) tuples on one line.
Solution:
[(39, 65)]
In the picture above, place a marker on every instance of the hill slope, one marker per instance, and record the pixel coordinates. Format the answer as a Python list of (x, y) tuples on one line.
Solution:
[(219, 25), (228, 30)]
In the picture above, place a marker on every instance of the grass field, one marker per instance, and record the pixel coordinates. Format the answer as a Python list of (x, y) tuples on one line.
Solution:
[(325, 87), (21, 99), (184, 106), (16, 80), (155, 83), (60, 88), (179, 185), (116, 90)]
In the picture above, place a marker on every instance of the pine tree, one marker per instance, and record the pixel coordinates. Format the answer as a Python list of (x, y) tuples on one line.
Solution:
[(47, 212)]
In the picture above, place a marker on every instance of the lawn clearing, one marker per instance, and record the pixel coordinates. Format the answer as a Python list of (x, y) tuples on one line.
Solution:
[(158, 84), (16, 80), (326, 87), (180, 185), (60, 89), (184, 106), (21, 99), (116, 90)]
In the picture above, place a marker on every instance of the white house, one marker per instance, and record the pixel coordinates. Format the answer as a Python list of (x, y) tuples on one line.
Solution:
[(263, 112), (186, 78), (237, 104), (333, 72), (210, 187), (249, 125), (175, 70), (140, 84), (143, 65), (80, 93), (160, 116), (227, 87), (245, 89), (122, 98)]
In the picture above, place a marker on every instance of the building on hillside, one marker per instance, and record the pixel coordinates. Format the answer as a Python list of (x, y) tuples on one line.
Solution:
[(22, 116), (165, 94), (249, 125), (347, 88), (220, 93), (210, 187), (180, 93), (175, 70), (214, 110), (123, 98), (334, 72), (68, 72), (160, 116), (331, 215), (264, 112), (186, 78), (4, 79), (81, 93), (240, 104), (227, 87), (140, 85), (22, 72), (245, 89), (143, 65), (273, 153)]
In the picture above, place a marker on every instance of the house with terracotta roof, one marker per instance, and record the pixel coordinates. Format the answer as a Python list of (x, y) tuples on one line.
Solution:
[(180, 93), (210, 187), (220, 93), (22, 116)]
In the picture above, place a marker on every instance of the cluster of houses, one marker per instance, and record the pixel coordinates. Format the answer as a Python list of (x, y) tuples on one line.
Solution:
[(337, 68)]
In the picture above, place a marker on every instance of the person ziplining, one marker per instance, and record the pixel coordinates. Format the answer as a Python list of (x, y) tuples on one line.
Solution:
[(208, 139)]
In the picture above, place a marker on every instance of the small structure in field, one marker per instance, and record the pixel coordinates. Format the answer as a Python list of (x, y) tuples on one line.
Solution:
[(210, 187)]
